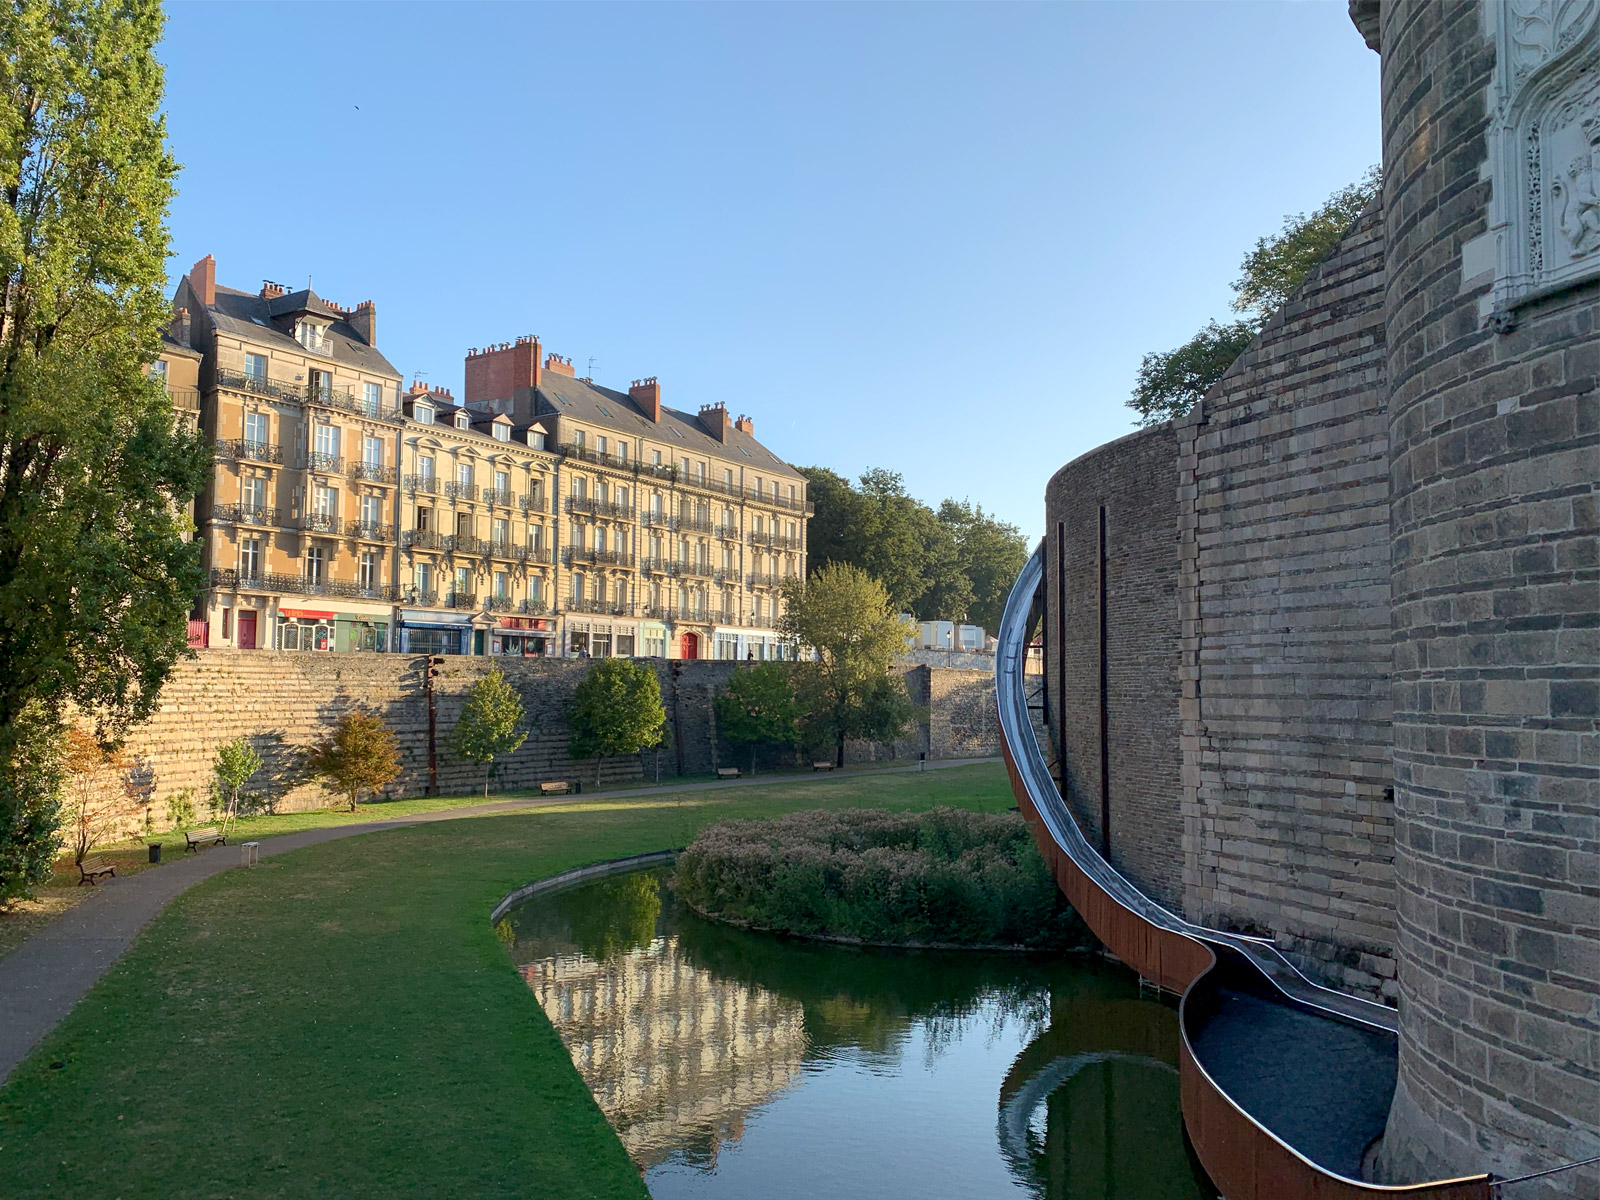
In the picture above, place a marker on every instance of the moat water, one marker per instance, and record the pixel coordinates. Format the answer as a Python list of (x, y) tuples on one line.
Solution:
[(742, 1065)]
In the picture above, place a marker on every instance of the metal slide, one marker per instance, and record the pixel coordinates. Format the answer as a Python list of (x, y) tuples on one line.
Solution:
[(1285, 1083)]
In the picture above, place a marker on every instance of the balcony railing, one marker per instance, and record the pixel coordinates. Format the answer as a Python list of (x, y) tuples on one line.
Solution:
[(693, 524), (768, 579), (319, 523), (454, 490), (244, 514), (327, 464), (461, 600), (184, 399), (658, 566), (533, 608), (305, 393), (419, 598), (659, 520), (532, 503), (422, 483), (730, 532), (499, 548), (300, 585), (466, 543), (533, 554), (589, 506), (726, 575), (778, 541), (590, 604), (696, 570), (605, 558), (370, 531), (374, 472), (425, 539), (674, 612), (259, 386), (602, 458), (240, 448), (499, 604), (498, 496)]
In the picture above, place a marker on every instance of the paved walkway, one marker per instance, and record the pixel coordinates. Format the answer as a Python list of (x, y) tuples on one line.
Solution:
[(44, 977)]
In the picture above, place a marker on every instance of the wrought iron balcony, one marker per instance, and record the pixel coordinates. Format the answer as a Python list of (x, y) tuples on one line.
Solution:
[(590, 604), (726, 575), (465, 543), (374, 472), (503, 549), (327, 464), (258, 385), (693, 524), (605, 558), (454, 490), (306, 393), (241, 448), (589, 454), (533, 608), (767, 579), (532, 502), (696, 570), (422, 483), (425, 539), (184, 400), (657, 566), (589, 506), (533, 554), (778, 541), (730, 532), (319, 523), (244, 514), (659, 520), (498, 496), (300, 585), (419, 598), (499, 604), (370, 531), (461, 600)]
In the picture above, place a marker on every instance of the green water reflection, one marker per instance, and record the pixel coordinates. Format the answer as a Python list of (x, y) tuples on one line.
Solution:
[(735, 1064)]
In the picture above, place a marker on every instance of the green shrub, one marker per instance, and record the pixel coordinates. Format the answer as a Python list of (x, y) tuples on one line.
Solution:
[(944, 875)]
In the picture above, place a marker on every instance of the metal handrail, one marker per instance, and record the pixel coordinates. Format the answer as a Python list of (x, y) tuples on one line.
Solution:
[(237, 448), (373, 472)]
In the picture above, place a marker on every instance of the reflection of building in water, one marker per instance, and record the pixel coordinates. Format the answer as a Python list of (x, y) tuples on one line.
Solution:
[(675, 1056)]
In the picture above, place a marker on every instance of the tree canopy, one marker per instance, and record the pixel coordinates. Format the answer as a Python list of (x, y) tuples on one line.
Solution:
[(96, 579), (1170, 383), (844, 617), (759, 708), (490, 724), (362, 755), (616, 710), (949, 565)]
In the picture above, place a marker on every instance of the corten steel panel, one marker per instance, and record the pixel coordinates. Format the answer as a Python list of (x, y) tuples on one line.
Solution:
[(1244, 1159)]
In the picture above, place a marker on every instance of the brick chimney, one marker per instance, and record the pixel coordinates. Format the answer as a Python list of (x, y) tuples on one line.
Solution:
[(270, 290), (646, 393), (203, 279), (557, 365), (499, 372), (365, 322), (745, 425), (181, 327), (715, 419)]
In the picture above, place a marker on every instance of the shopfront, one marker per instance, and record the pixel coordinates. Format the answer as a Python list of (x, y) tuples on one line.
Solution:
[(601, 639), (305, 629), (529, 637), (435, 633), (353, 631)]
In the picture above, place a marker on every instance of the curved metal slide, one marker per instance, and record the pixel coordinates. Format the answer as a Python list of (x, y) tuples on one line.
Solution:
[(1285, 1084)]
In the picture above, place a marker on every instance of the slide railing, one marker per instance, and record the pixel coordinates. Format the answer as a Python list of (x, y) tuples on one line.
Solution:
[(1217, 974)]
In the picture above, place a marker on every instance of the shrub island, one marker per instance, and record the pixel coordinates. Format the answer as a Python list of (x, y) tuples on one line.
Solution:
[(943, 878)]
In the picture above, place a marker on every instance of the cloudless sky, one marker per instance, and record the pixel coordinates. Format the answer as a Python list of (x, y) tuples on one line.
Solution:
[(930, 237)]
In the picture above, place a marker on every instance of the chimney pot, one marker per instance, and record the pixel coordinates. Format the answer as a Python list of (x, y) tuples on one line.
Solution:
[(203, 279)]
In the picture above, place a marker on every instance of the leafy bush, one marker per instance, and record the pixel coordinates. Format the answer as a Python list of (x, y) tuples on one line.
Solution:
[(944, 875)]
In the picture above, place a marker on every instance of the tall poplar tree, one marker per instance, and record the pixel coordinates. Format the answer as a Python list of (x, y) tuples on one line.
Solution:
[(96, 577)]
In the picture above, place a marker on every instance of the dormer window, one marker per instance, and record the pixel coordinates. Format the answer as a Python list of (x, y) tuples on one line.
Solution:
[(536, 439), (502, 433), (462, 421), (423, 414), (309, 334)]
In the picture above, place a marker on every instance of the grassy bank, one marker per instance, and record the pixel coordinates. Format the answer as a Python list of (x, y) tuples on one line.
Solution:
[(342, 1021)]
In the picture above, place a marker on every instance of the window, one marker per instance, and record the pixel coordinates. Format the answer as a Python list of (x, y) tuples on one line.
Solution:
[(600, 443), (422, 414), (502, 433), (255, 368), (255, 431), (255, 494), (371, 398), (158, 370), (536, 536), (463, 581), (502, 586), (791, 495), (502, 481), (316, 566), (577, 587), (622, 451), (683, 550), (600, 538), (464, 474), (369, 571), (655, 458), (577, 438), (463, 421), (536, 439), (308, 334), (655, 504), (758, 485), (250, 558), (580, 486), (502, 531), (425, 467), (424, 577), (321, 385), (325, 502), (535, 587), (424, 518), (576, 537), (327, 441), (372, 451), (622, 496), (371, 511), (727, 477), (683, 467), (700, 471)]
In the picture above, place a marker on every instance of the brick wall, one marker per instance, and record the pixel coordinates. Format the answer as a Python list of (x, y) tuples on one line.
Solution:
[(1134, 480), (1283, 479), (284, 702), (1495, 461)]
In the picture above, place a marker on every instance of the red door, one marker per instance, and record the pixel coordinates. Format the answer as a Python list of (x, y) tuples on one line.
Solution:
[(247, 629), (689, 646)]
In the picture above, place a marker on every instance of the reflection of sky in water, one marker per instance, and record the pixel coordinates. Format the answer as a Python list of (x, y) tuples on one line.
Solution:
[(738, 1066)]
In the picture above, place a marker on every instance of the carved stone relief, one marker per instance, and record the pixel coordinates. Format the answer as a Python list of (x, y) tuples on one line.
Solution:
[(1544, 147)]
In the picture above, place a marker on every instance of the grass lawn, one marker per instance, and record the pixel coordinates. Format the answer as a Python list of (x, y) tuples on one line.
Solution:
[(342, 1021)]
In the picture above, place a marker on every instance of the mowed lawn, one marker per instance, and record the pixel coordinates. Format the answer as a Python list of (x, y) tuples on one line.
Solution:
[(342, 1020)]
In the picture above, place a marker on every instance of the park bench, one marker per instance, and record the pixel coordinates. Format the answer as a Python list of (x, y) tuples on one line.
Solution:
[(822, 766), (90, 870), (554, 787), (210, 835), (727, 772)]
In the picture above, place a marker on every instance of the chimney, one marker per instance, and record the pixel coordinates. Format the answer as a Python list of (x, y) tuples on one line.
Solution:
[(181, 327), (270, 290), (646, 393), (745, 425), (715, 419), (500, 371), (203, 279), (365, 322), (555, 364)]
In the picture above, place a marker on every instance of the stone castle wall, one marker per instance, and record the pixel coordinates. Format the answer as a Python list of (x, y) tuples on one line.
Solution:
[(285, 702)]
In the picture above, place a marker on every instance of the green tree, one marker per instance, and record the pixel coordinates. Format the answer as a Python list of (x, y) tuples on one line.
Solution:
[(235, 762), (362, 755), (490, 724), (759, 708), (844, 618), (616, 710), (32, 750), (1170, 384), (96, 579), (992, 554)]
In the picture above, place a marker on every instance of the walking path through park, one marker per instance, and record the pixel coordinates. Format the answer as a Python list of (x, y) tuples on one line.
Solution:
[(44, 977)]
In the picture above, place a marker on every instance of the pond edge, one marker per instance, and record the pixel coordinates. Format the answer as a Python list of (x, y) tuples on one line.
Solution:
[(562, 879)]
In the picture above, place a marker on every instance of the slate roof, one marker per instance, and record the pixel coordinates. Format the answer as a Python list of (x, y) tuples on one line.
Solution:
[(590, 404), (247, 315)]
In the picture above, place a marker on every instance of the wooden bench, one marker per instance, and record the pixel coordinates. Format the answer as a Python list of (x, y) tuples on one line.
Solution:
[(91, 869), (210, 835), (822, 766), (727, 772), (554, 787)]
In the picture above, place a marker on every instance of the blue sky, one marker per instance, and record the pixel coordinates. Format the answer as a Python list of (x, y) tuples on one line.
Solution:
[(930, 237)]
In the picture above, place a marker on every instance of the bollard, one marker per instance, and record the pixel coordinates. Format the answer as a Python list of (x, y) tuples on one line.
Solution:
[(247, 853)]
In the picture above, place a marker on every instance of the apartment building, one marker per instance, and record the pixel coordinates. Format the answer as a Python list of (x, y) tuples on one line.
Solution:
[(299, 517), (676, 530), (476, 536)]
